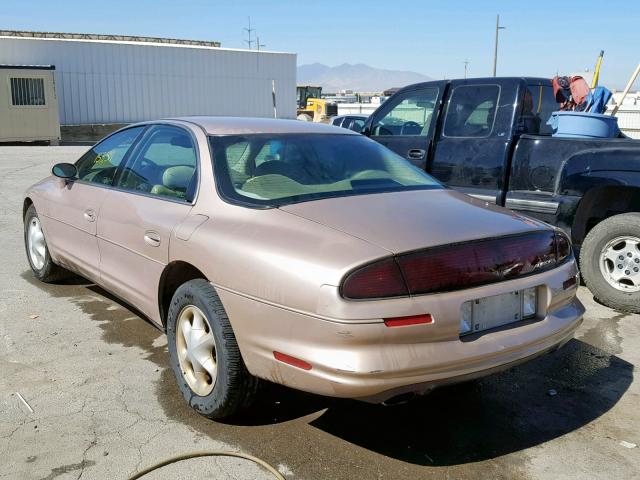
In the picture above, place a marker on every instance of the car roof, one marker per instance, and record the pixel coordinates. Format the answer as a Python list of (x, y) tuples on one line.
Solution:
[(246, 125)]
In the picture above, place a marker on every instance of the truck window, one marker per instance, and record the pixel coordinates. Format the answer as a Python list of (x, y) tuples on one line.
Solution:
[(537, 104), (471, 111), (410, 116)]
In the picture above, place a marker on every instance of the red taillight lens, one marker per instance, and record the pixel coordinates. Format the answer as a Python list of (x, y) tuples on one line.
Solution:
[(563, 247), (453, 267), (477, 263), (377, 280)]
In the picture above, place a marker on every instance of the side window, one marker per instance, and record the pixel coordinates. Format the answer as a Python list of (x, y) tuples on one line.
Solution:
[(412, 114), (336, 121), (471, 111), (538, 103), (357, 124), (163, 164), (99, 165)]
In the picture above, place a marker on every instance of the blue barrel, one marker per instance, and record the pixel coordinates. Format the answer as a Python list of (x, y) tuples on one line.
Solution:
[(583, 125)]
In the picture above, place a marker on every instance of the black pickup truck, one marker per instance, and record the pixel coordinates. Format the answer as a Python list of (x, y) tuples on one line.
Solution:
[(489, 137)]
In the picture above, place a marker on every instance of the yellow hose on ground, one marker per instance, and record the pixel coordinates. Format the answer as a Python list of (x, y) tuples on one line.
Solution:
[(188, 456)]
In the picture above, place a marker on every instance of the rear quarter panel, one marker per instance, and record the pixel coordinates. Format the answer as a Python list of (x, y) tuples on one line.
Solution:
[(272, 256)]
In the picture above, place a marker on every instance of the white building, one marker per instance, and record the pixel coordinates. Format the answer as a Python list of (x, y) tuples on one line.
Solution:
[(112, 80), (628, 113)]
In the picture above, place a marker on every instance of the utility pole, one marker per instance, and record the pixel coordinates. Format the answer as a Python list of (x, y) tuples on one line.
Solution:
[(249, 32), (466, 63), (495, 52), (258, 44)]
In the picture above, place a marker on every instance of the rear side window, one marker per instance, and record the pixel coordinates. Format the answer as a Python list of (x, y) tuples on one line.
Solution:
[(471, 111), (99, 165), (538, 102), (163, 164), (356, 125)]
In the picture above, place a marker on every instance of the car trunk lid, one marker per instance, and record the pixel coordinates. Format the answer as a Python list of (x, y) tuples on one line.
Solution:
[(405, 221)]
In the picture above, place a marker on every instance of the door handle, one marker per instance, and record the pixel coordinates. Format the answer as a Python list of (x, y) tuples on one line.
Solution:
[(152, 238), (416, 153), (89, 215)]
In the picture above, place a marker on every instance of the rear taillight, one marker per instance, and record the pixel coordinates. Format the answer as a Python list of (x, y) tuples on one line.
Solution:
[(454, 267), (563, 246), (377, 280), (477, 263)]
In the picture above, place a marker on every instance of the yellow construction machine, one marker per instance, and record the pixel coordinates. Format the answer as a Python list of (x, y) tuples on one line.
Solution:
[(312, 107)]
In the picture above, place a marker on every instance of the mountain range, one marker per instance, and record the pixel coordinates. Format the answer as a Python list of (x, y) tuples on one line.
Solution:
[(356, 77)]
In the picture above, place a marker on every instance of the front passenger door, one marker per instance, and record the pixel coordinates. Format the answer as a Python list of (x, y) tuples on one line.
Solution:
[(72, 210), (405, 123), (153, 194)]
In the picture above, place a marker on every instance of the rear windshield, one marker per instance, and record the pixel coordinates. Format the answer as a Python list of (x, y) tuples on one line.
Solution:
[(271, 170)]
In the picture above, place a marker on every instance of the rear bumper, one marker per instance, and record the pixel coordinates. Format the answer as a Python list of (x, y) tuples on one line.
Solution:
[(369, 361)]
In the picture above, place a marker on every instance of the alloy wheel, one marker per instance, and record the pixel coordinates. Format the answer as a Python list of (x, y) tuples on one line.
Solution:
[(36, 243), (620, 263), (196, 349)]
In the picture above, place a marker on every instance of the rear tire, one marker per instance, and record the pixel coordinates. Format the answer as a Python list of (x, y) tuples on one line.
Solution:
[(38, 254), (197, 317), (613, 280)]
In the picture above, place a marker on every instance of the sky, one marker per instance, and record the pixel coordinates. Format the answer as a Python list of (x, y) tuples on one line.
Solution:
[(434, 38)]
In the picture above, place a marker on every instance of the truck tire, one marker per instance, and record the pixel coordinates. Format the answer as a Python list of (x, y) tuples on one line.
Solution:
[(610, 262), (204, 354), (37, 250)]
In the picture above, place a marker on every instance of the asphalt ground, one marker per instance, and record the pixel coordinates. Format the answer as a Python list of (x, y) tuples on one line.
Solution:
[(86, 392)]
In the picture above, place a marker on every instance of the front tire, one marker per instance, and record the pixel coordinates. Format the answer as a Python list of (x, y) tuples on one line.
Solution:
[(37, 251), (204, 353), (610, 262)]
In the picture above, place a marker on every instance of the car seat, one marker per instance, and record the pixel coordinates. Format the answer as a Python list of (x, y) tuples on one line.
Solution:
[(176, 182)]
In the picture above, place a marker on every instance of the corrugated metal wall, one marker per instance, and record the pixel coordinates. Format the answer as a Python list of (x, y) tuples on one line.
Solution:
[(101, 82)]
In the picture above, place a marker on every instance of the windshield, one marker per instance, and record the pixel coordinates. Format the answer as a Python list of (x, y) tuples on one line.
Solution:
[(277, 169)]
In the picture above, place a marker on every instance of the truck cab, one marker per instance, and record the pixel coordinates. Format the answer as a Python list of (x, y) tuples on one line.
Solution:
[(489, 138)]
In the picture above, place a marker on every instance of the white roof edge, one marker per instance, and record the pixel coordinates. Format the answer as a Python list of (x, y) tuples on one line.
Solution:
[(146, 44)]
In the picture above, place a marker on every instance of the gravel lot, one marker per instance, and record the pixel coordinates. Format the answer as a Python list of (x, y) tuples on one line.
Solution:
[(86, 392)]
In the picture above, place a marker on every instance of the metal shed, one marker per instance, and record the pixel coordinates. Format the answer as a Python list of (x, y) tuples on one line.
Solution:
[(28, 104), (113, 80)]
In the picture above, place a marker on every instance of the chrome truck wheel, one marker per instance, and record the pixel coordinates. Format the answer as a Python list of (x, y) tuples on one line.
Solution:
[(620, 263), (610, 262)]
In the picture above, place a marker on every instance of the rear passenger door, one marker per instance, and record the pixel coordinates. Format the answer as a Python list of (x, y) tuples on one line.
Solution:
[(152, 194), (473, 145)]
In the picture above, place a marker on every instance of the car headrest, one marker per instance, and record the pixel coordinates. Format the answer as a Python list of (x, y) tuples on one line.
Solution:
[(177, 177), (181, 141)]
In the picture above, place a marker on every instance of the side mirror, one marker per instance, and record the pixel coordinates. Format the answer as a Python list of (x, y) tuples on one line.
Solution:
[(66, 171)]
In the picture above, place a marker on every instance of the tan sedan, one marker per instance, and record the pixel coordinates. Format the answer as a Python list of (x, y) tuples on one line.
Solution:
[(302, 254)]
